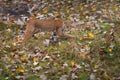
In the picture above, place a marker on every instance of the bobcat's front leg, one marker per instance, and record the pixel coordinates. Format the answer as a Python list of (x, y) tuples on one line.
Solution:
[(29, 32)]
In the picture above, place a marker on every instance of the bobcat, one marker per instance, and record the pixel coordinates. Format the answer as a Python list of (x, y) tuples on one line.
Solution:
[(54, 25)]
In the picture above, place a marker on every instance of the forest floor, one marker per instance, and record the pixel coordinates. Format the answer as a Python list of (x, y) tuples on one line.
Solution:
[(93, 55)]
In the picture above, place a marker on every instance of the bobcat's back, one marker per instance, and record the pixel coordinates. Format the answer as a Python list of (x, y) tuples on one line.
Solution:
[(46, 24)]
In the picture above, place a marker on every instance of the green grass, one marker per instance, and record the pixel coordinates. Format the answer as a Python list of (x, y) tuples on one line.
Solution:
[(67, 53), (82, 56)]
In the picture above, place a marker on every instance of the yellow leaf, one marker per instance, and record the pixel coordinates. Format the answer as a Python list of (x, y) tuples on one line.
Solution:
[(69, 16), (81, 38), (67, 9), (110, 49), (8, 59), (45, 11), (54, 63), (115, 6), (72, 63), (91, 35), (81, 6), (1, 21), (19, 39), (9, 24), (12, 61), (85, 12), (35, 59), (82, 55), (21, 70), (96, 66), (32, 16), (12, 74), (88, 57), (23, 57), (104, 11), (94, 9), (62, 67), (56, 14), (48, 33), (18, 30), (14, 44)]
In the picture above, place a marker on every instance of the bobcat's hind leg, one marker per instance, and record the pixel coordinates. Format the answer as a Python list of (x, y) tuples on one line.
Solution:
[(61, 34)]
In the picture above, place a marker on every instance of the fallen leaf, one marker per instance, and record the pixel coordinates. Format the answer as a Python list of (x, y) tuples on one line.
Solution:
[(35, 59), (94, 9), (91, 35), (110, 49), (82, 55), (96, 66), (14, 44), (45, 11), (56, 14), (72, 63), (21, 70)]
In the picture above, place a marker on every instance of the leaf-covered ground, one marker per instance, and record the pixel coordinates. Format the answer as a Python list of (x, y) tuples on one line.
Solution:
[(93, 55)]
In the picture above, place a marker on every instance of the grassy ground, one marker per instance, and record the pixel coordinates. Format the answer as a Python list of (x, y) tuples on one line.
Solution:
[(93, 55)]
